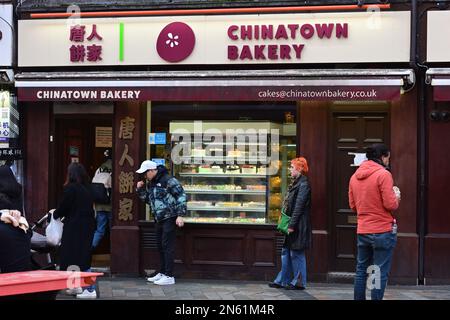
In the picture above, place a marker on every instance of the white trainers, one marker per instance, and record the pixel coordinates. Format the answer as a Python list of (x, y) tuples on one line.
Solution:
[(74, 291), (86, 294), (165, 280), (155, 278)]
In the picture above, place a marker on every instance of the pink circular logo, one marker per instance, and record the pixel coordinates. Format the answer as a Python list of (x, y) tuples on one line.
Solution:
[(175, 42)]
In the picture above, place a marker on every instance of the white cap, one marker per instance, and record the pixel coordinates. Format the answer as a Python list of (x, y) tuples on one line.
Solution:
[(147, 165)]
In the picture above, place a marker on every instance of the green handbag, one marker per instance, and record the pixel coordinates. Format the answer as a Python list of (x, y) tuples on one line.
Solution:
[(283, 223)]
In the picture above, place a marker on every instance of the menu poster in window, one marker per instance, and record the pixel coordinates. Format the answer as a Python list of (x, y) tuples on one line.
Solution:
[(103, 137)]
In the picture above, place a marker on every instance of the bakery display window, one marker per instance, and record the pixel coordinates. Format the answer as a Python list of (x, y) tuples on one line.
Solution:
[(232, 171)]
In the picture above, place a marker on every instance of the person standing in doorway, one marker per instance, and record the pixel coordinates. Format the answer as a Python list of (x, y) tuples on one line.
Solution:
[(371, 194), (297, 205), (77, 209), (167, 199), (103, 211)]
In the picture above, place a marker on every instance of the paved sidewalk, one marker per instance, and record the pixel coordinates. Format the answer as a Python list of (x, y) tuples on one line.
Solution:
[(189, 289)]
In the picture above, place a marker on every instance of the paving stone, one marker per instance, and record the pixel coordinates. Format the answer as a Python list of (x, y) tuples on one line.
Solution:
[(134, 289)]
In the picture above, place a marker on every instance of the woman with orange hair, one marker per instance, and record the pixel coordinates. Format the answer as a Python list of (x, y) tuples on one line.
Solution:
[(297, 205)]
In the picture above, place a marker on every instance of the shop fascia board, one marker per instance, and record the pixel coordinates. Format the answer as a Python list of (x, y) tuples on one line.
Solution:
[(312, 77), (61, 5), (438, 76)]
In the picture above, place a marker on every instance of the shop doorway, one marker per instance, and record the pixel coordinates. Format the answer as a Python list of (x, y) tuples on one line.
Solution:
[(81, 138), (351, 132)]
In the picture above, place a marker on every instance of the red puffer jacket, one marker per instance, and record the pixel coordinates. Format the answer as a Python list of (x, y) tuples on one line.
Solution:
[(372, 197)]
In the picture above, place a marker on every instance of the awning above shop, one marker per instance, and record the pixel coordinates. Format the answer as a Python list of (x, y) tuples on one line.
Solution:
[(218, 85), (439, 78)]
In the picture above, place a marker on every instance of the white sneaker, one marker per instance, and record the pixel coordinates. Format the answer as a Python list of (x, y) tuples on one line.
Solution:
[(74, 291), (155, 278), (87, 295), (165, 280)]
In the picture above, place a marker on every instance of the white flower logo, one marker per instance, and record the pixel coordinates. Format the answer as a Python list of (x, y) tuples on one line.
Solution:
[(172, 41)]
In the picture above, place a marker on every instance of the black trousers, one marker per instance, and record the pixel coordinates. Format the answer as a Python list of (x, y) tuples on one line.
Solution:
[(165, 239)]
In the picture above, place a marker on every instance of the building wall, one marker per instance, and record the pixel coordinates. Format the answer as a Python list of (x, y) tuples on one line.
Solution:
[(437, 239)]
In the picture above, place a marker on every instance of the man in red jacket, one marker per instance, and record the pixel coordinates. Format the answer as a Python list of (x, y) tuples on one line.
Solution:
[(371, 194)]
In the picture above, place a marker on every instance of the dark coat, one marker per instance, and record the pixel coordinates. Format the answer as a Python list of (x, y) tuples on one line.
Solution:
[(10, 190), (165, 195), (299, 209), (15, 249), (79, 226)]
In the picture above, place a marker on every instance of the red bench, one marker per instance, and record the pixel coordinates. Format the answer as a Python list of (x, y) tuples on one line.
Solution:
[(43, 280)]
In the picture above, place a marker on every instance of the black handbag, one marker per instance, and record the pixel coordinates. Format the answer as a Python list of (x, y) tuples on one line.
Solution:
[(100, 193)]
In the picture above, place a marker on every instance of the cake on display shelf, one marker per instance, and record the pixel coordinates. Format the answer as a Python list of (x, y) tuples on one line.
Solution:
[(248, 169)]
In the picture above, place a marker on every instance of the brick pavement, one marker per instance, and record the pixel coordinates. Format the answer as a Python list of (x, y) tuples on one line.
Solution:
[(190, 289)]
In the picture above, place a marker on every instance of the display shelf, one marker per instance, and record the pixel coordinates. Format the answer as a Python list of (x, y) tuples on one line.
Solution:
[(226, 209), (221, 175), (207, 191), (226, 159), (223, 166)]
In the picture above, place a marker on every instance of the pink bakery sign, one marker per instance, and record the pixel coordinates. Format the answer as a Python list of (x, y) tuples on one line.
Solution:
[(177, 40), (216, 40)]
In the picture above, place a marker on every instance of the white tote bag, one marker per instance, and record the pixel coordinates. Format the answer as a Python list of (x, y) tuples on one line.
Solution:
[(54, 231)]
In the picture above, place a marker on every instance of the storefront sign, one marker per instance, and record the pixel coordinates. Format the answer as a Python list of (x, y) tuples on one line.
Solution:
[(6, 34), (126, 175), (10, 153), (206, 93), (5, 106), (438, 36), (79, 50), (217, 39)]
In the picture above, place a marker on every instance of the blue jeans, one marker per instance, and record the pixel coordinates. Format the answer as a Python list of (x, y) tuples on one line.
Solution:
[(293, 264), (375, 251), (103, 220)]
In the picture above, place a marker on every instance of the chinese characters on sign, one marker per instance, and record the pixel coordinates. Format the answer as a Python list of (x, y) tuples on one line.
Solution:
[(126, 178), (4, 115), (79, 51), (10, 153)]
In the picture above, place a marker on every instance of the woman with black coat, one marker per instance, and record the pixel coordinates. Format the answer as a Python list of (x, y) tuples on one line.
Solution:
[(10, 190), (297, 205), (77, 209), (15, 243)]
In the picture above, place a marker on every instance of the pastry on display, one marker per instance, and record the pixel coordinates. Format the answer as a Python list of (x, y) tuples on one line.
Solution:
[(228, 204), (275, 182), (198, 152), (233, 169), (235, 153), (225, 187), (254, 204), (262, 170), (216, 169), (275, 200), (256, 187), (248, 169), (197, 187), (204, 169), (189, 169), (199, 203)]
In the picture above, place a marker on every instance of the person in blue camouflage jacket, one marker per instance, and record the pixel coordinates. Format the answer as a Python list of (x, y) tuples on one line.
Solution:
[(167, 200)]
